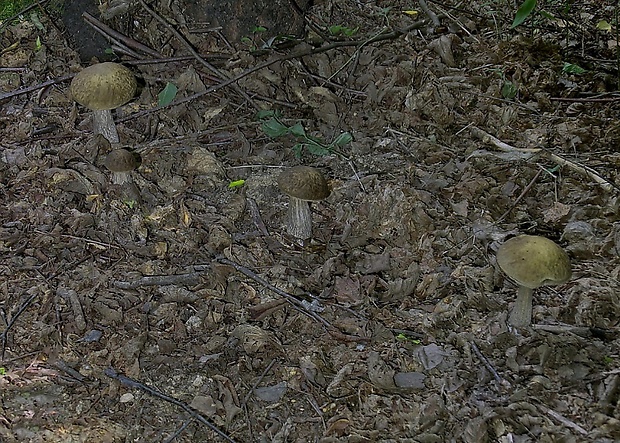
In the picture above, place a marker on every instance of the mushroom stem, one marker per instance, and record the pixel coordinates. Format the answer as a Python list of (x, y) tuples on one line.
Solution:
[(299, 219), (120, 178), (103, 124), (521, 315)]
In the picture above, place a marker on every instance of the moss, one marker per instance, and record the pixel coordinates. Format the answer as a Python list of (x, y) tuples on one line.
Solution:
[(11, 8)]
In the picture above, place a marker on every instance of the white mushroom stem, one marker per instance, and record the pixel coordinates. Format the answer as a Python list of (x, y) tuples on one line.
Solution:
[(103, 124), (299, 219), (120, 178), (521, 315)]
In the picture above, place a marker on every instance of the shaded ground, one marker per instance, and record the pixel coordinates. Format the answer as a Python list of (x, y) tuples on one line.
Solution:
[(402, 333)]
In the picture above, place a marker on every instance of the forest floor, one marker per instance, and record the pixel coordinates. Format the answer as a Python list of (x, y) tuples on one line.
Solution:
[(187, 313)]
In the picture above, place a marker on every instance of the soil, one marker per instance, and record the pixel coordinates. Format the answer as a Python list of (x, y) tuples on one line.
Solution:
[(172, 305)]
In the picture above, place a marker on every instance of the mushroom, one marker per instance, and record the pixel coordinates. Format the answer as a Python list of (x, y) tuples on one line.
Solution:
[(101, 88), (121, 162), (532, 261), (303, 184)]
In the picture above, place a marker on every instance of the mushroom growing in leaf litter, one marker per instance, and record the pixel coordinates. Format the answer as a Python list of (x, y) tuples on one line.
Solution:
[(121, 162), (531, 261), (303, 184), (101, 88)]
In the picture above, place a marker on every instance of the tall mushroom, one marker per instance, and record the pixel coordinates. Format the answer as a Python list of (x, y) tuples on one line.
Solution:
[(303, 184), (101, 88), (532, 261)]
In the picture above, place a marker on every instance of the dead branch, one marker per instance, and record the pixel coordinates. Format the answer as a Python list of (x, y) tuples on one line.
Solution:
[(191, 49), (527, 153), (130, 383)]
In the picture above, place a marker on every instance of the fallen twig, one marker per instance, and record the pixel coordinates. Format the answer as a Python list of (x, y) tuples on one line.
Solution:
[(302, 306), (112, 34), (191, 278), (520, 197), (489, 367), (529, 152), (302, 53), (429, 13), (45, 84), (111, 372), (191, 49), (11, 322), (563, 420)]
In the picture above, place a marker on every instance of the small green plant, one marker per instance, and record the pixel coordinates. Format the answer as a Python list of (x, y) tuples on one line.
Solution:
[(570, 68), (403, 337), (2, 371), (257, 42), (253, 41), (339, 30), (509, 88), (130, 203), (273, 127)]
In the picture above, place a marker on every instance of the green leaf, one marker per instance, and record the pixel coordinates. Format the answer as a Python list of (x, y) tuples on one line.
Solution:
[(509, 90), (168, 94), (236, 184), (259, 29), (342, 30), (273, 128), (317, 149), (297, 150), (570, 68), (266, 113), (34, 17), (297, 130), (547, 15), (523, 12), (343, 139), (603, 25)]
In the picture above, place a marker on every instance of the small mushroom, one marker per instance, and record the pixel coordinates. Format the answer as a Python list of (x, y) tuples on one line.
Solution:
[(303, 184), (532, 261), (121, 162), (101, 88)]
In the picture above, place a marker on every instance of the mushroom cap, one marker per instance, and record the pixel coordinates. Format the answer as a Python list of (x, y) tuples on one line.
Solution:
[(534, 261), (304, 183), (121, 160), (103, 86)]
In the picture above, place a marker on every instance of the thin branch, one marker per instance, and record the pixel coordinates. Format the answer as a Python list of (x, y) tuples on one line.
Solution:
[(563, 420), (299, 305), (298, 54), (111, 372), (191, 278), (191, 49), (112, 34), (489, 367), (529, 152), (520, 197)]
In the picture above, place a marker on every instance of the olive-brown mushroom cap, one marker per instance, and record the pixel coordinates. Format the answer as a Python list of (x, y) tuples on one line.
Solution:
[(103, 86), (121, 160), (534, 261), (305, 183)]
